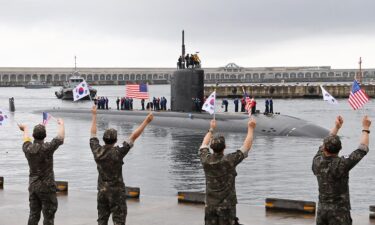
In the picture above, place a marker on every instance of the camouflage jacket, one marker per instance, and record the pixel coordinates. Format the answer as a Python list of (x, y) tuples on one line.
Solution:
[(40, 158), (220, 172), (109, 161), (332, 173)]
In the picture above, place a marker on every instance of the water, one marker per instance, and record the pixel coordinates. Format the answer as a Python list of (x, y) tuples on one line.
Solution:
[(164, 160)]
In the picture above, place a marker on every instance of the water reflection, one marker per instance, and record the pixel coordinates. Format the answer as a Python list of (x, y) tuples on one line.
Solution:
[(185, 166)]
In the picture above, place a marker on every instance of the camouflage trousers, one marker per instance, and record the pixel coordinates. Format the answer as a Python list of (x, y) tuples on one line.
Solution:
[(112, 200), (219, 215), (333, 216), (45, 202)]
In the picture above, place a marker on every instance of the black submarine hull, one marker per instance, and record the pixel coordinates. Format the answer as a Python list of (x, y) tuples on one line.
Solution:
[(269, 125)]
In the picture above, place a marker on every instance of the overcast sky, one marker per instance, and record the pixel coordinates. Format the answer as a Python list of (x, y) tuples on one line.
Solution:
[(147, 33)]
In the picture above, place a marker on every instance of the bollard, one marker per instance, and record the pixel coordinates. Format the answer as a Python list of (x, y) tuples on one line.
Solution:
[(191, 197), (372, 211), (1, 182), (132, 192), (288, 205), (12, 108), (62, 187)]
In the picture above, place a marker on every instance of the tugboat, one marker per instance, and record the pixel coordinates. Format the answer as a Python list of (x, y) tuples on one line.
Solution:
[(35, 84), (66, 92)]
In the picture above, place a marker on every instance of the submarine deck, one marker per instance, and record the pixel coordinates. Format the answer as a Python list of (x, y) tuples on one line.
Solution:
[(79, 208), (270, 125)]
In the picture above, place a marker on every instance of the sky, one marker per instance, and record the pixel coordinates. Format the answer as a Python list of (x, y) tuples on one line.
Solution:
[(147, 33)]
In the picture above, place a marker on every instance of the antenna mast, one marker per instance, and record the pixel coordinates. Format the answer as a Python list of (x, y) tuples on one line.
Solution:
[(360, 70), (183, 45), (75, 63)]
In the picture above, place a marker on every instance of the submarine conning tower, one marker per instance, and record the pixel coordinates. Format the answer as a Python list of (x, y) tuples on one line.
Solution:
[(186, 84)]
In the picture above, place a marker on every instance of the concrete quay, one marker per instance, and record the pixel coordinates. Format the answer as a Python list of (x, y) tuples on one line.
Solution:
[(286, 90), (79, 208)]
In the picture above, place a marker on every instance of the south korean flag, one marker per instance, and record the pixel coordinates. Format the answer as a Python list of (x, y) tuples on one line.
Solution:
[(209, 104), (3, 118), (82, 90)]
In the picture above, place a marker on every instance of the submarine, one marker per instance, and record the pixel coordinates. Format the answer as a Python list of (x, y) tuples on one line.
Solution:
[(187, 84), (268, 125)]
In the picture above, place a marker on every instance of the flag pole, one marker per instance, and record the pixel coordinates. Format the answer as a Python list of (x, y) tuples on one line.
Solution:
[(360, 81), (216, 85), (148, 99)]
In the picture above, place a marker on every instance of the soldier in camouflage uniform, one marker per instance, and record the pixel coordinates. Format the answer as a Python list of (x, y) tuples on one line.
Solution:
[(42, 187), (220, 172), (332, 173), (109, 161)]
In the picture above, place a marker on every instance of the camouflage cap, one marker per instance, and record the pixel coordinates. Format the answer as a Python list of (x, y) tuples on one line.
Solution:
[(218, 143), (39, 132), (332, 144), (110, 134)]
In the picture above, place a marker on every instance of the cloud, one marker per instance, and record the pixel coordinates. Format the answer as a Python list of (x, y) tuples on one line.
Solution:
[(150, 31)]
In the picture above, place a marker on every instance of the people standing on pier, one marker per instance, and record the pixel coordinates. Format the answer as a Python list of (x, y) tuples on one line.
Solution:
[(243, 104), (332, 173), (267, 104), (131, 103), (118, 103), (109, 159), (236, 104), (253, 106), (271, 105), (106, 103), (225, 104), (42, 187), (220, 173), (143, 104)]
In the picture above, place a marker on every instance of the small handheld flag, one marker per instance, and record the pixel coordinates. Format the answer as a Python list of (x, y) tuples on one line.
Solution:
[(3, 117), (81, 91), (328, 97), (209, 104), (46, 118), (138, 91), (357, 97), (248, 104)]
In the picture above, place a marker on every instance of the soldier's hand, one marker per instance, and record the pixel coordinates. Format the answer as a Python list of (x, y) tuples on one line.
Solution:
[(93, 110), (252, 123), (366, 122), (60, 121), (22, 127), (213, 124), (339, 121), (149, 118)]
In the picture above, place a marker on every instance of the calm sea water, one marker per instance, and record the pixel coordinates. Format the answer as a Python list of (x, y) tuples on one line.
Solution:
[(164, 160)]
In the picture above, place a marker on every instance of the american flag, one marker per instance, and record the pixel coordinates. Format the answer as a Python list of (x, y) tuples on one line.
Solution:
[(139, 91), (46, 118), (248, 104), (357, 97)]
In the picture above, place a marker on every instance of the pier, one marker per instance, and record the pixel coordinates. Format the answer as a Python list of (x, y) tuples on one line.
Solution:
[(286, 90), (230, 73), (79, 208)]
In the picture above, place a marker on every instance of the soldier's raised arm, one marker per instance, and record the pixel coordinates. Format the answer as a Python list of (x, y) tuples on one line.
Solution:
[(366, 123), (362, 150), (208, 136), (338, 124), (61, 131), (93, 122), (25, 131), (140, 129), (249, 137)]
